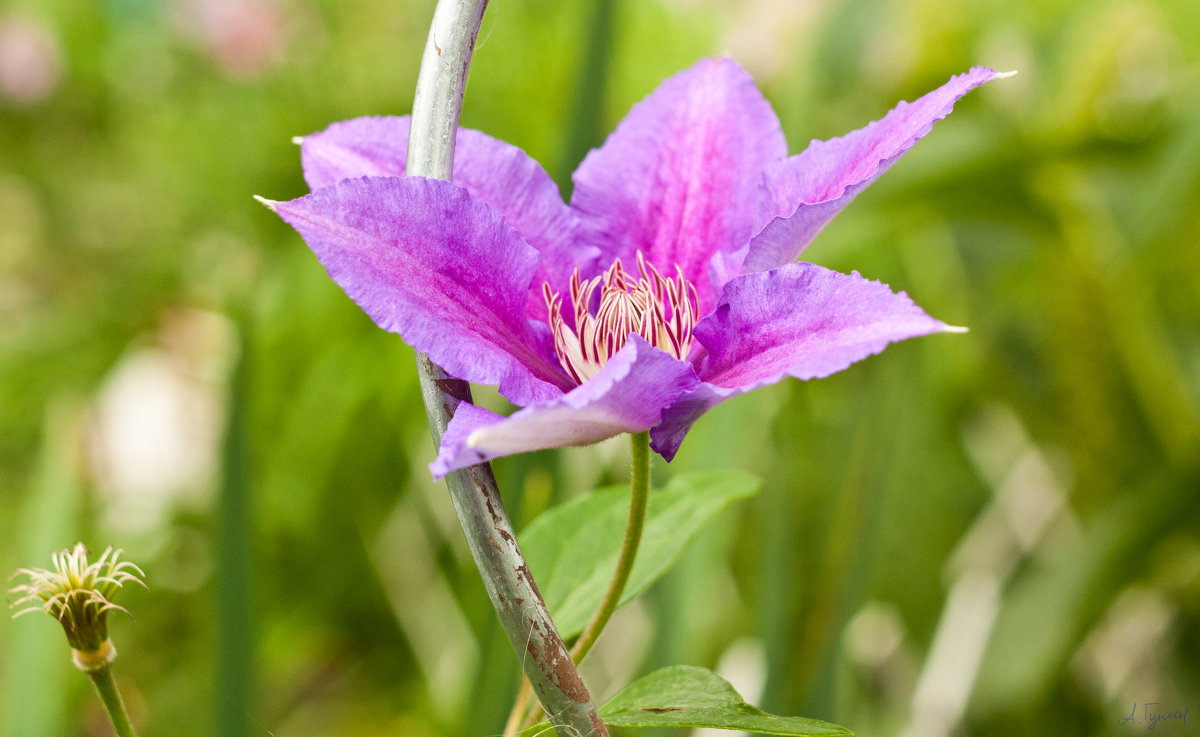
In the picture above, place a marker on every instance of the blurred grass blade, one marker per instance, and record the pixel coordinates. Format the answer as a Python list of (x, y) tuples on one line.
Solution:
[(586, 123), (38, 672), (235, 641), (1046, 614)]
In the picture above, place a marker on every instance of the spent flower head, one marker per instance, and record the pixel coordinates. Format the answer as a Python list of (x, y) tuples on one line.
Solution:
[(79, 595)]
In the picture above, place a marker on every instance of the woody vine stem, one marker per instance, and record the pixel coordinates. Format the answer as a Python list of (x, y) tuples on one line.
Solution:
[(639, 497), (473, 491)]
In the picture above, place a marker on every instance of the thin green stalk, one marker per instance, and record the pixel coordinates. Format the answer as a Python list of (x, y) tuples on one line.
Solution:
[(639, 494), (106, 686)]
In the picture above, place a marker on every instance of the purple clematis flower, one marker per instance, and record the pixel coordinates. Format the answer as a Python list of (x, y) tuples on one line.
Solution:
[(667, 286)]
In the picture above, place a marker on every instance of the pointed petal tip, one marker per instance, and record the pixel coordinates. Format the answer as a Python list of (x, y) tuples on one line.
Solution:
[(300, 139), (955, 329), (1005, 75), (269, 204)]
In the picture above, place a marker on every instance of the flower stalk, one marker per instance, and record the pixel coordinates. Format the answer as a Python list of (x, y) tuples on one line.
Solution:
[(639, 488), (106, 687), (639, 496), (473, 491)]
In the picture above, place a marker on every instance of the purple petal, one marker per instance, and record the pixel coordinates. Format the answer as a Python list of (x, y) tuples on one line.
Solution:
[(455, 452), (798, 320), (804, 192), (679, 178), (362, 147), (500, 174), (805, 321), (668, 435), (427, 260), (628, 395)]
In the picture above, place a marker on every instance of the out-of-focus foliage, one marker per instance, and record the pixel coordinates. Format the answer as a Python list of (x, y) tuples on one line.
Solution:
[(991, 533)]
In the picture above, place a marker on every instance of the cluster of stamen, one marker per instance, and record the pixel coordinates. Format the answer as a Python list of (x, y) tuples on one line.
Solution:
[(660, 310)]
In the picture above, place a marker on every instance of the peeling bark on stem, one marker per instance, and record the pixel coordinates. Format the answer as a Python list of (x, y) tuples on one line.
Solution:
[(473, 490)]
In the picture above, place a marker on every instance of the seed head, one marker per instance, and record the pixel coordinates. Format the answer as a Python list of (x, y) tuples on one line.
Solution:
[(79, 595)]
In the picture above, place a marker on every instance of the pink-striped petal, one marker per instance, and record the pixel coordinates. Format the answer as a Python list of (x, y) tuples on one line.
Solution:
[(427, 260), (498, 173), (628, 395), (804, 192), (375, 146), (679, 178), (798, 320)]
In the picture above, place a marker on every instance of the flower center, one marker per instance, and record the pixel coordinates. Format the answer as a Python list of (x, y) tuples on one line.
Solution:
[(661, 310)]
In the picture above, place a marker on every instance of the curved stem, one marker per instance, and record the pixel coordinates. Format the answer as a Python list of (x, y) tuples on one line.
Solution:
[(106, 686), (490, 535), (639, 494)]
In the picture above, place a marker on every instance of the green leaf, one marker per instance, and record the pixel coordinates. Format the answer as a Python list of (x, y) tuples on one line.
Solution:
[(687, 696), (572, 549)]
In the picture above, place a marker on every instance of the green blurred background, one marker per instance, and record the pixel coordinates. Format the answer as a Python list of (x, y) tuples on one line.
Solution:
[(993, 533)]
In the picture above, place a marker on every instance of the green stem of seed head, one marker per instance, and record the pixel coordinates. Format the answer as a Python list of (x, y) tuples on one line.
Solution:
[(106, 687), (639, 494)]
